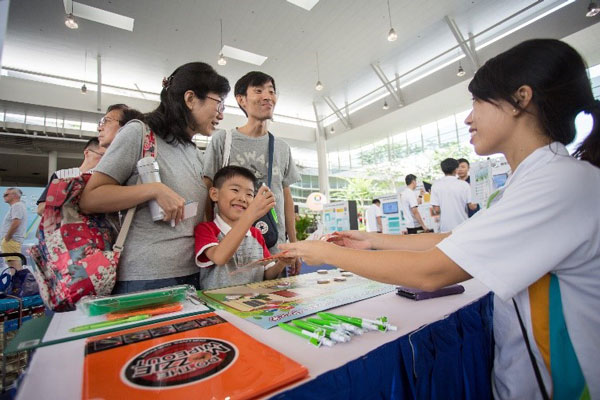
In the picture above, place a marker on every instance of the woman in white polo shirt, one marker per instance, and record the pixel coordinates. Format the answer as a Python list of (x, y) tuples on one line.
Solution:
[(536, 246)]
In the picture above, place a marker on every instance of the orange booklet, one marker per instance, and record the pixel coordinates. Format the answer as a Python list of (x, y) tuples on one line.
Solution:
[(190, 357)]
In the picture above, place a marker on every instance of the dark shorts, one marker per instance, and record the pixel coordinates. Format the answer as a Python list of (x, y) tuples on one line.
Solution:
[(136, 286)]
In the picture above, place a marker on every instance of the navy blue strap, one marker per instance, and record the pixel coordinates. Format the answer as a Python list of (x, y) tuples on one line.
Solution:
[(271, 151)]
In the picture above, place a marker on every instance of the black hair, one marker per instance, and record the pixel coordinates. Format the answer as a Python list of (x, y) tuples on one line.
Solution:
[(231, 171), (118, 106), (252, 78), (463, 160), (376, 201), (449, 165), (409, 179), (93, 142), (561, 89), (130, 114), (172, 118)]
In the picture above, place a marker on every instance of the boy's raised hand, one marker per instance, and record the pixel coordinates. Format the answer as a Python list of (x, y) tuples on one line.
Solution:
[(262, 203)]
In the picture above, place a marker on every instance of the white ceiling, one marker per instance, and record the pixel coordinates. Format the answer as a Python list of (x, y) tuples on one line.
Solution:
[(348, 34)]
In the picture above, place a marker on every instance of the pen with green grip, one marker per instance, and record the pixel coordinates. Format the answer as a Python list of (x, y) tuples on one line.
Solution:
[(105, 324), (316, 338), (336, 323), (330, 332)]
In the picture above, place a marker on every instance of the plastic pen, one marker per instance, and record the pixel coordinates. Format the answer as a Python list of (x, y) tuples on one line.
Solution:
[(105, 324), (330, 333), (352, 320), (380, 323), (336, 323), (315, 338)]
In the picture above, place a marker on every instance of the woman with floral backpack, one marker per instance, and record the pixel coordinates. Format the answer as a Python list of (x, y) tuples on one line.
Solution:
[(160, 254)]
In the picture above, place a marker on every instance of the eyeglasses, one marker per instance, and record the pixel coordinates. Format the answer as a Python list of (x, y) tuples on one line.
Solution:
[(5, 194), (95, 152), (220, 105), (104, 120)]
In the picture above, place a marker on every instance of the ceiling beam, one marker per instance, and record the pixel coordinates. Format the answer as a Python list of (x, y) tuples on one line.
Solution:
[(388, 85), (338, 113), (469, 52)]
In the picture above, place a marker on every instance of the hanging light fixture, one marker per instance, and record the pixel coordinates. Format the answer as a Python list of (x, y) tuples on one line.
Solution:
[(319, 85), (461, 71), (83, 87), (593, 9), (221, 60), (392, 35), (70, 20), (385, 105), (332, 130)]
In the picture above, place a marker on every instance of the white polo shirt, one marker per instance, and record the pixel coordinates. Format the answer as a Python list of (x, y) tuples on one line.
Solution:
[(408, 199), (536, 226), (451, 195), (373, 211)]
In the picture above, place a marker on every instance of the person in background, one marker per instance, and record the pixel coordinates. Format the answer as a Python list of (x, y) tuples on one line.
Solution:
[(256, 95), (451, 197), (536, 246), (92, 153), (410, 206), (117, 115), (13, 226), (227, 246), (373, 215), (463, 174), (158, 254)]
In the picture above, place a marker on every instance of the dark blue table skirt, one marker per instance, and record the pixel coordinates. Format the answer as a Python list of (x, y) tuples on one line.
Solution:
[(448, 359)]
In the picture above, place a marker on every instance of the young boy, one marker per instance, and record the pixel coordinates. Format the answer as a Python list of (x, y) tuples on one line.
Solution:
[(225, 246)]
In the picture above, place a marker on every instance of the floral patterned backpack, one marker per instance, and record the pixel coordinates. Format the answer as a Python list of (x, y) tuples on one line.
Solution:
[(75, 255)]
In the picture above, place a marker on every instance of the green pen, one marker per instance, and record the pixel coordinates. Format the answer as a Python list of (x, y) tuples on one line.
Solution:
[(104, 324), (315, 338), (337, 324), (363, 322), (330, 332)]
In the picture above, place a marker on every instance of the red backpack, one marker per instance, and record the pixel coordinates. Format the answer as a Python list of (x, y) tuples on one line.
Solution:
[(75, 255)]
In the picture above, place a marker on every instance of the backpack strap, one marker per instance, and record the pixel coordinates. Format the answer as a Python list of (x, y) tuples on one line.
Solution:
[(148, 150)]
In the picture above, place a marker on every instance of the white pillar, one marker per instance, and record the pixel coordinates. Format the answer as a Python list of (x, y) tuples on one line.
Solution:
[(52, 162), (321, 155), (322, 160)]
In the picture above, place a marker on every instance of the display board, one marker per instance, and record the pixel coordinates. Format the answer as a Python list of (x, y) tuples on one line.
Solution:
[(392, 220), (339, 216), (269, 302), (487, 177), (193, 357)]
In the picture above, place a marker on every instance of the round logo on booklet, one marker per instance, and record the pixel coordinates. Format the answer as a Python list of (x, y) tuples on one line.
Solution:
[(262, 226), (179, 363)]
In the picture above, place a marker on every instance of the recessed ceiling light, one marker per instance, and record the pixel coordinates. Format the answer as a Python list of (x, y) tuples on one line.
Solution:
[(306, 4), (242, 55)]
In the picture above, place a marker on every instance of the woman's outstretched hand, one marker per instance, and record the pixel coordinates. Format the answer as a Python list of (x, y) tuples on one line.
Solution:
[(353, 239), (311, 251)]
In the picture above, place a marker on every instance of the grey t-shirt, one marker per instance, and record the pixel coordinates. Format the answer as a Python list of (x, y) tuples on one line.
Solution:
[(16, 211), (155, 250), (253, 153)]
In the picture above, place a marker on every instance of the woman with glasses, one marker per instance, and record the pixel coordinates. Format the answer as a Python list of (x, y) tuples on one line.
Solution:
[(160, 254), (536, 244)]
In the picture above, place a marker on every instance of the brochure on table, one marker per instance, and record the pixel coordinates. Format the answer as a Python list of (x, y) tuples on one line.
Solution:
[(56, 329), (269, 302), (190, 357)]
